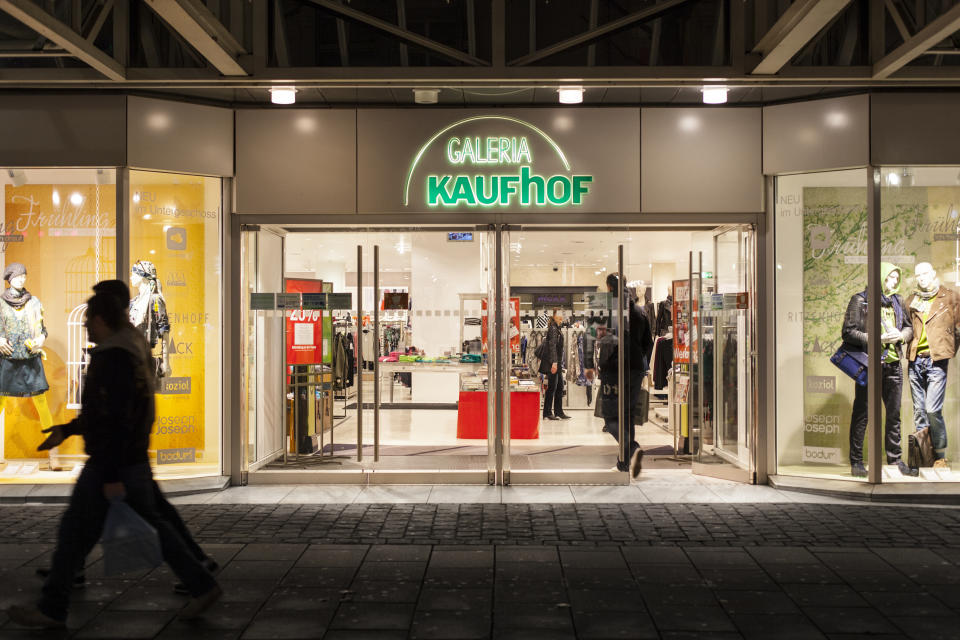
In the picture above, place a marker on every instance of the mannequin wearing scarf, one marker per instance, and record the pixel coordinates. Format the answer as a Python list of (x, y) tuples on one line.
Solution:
[(148, 313), (896, 331), (935, 316), (22, 335)]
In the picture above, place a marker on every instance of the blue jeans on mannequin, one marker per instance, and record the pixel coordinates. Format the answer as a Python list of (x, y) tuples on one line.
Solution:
[(928, 385)]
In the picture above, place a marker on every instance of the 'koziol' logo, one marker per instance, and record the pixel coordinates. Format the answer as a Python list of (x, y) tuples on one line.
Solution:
[(175, 456), (821, 384), (822, 455), (175, 386)]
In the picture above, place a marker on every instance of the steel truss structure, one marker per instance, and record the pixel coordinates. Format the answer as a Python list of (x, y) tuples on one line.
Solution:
[(254, 44)]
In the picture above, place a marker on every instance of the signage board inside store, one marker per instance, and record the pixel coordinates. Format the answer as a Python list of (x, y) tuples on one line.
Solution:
[(263, 301), (396, 300), (460, 236), (543, 300), (339, 301)]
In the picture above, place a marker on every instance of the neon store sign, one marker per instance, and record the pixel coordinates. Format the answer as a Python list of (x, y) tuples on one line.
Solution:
[(496, 170)]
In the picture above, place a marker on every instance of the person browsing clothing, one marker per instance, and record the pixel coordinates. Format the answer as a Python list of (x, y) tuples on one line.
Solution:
[(551, 365)]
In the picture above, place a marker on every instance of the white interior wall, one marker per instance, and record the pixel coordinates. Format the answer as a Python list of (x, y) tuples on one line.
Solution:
[(439, 271)]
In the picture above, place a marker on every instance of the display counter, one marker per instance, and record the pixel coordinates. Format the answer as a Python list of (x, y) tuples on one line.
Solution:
[(387, 369), (524, 415)]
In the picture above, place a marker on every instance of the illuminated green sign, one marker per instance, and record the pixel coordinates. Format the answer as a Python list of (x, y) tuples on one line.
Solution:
[(516, 183)]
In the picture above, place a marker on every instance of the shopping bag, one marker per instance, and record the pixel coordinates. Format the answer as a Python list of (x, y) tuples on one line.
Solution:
[(129, 542), (642, 410), (597, 411), (920, 449), (852, 363)]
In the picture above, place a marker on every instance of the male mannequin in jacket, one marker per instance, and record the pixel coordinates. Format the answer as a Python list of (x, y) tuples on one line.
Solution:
[(935, 316), (896, 331)]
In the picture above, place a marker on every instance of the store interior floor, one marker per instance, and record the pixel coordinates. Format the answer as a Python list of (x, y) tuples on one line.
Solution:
[(426, 439)]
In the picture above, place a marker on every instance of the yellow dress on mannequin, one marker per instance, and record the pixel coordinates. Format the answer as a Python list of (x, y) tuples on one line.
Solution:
[(22, 335)]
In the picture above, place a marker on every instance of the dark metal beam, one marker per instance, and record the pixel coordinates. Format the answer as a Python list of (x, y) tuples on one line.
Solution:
[(925, 39), (795, 28), (395, 31), (193, 21), (100, 20), (52, 29), (593, 35)]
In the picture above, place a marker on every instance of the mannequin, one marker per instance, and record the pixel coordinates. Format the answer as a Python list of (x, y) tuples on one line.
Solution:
[(148, 313), (935, 316), (896, 331), (22, 335)]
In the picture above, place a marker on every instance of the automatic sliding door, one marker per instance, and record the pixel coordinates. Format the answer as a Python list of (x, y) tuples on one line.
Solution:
[(553, 429), (724, 384)]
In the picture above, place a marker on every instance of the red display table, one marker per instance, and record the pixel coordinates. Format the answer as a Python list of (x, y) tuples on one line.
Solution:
[(524, 415)]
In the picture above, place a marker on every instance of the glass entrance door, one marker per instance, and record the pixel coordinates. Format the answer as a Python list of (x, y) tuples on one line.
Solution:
[(723, 363)]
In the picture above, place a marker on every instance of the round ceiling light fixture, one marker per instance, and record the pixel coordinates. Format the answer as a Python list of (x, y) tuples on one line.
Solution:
[(714, 95), (426, 96), (283, 95), (570, 95)]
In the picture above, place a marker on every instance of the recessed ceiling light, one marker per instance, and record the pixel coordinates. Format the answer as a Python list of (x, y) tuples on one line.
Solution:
[(426, 96), (570, 95), (283, 95), (714, 95)]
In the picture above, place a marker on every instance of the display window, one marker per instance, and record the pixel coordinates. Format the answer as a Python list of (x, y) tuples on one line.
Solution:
[(59, 238), (175, 284), (920, 238), (820, 325)]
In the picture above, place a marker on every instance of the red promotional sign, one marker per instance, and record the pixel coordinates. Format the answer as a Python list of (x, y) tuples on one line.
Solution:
[(304, 326), (681, 321)]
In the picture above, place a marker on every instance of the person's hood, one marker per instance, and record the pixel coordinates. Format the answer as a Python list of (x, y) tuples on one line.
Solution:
[(886, 269), (128, 339)]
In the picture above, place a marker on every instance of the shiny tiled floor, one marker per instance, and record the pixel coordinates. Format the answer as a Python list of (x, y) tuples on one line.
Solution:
[(654, 486)]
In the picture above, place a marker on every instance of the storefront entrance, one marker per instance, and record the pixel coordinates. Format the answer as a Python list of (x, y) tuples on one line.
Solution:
[(410, 355)]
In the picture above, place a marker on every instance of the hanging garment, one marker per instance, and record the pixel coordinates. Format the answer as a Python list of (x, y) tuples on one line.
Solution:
[(523, 349), (663, 362), (664, 316)]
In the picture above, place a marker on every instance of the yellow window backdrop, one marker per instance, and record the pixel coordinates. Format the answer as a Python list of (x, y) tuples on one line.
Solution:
[(176, 285), (60, 224)]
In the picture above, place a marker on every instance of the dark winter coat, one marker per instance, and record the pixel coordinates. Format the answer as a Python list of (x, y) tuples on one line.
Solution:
[(117, 407)]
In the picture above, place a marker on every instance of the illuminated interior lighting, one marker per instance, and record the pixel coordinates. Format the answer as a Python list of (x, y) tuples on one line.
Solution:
[(570, 95), (283, 95), (714, 95)]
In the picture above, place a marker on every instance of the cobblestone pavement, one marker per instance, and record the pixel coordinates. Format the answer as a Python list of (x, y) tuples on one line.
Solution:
[(528, 571)]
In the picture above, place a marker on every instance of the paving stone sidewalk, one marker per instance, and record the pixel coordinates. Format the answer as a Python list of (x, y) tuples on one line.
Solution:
[(528, 571)]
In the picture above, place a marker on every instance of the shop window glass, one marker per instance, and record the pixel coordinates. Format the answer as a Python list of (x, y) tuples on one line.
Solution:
[(920, 228), (59, 239), (821, 267), (175, 281)]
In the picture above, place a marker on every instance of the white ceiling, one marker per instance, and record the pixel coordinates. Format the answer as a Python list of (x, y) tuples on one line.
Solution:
[(528, 249)]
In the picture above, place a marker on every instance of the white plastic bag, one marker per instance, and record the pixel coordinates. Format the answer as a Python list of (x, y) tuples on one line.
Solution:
[(129, 542)]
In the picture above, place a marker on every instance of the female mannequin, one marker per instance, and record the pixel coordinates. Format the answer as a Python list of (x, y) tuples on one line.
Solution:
[(22, 335), (148, 313)]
